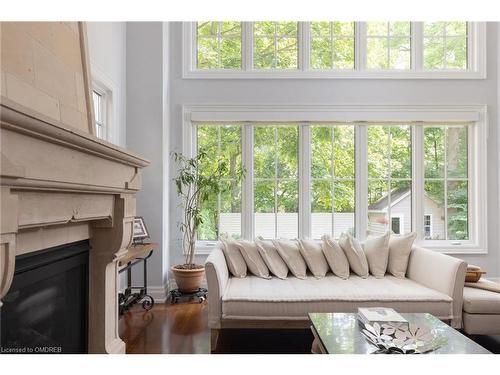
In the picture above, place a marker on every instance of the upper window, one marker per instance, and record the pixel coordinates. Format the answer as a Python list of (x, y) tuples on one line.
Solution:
[(218, 45), (332, 45), (334, 49), (275, 45), (445, 45), (388, 45), (99, 101)]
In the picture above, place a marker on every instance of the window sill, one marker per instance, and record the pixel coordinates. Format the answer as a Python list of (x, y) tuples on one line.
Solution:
[(464, 248), (324, 74), (206, 248)]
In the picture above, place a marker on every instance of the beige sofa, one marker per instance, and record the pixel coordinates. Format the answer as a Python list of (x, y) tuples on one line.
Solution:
[(434, 284), (481, 314)]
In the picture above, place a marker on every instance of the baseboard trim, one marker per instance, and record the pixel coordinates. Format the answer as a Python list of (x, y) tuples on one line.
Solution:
[(159, 293)]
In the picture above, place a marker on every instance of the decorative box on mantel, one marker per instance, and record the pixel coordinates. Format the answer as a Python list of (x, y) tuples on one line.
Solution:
[(59, 183)]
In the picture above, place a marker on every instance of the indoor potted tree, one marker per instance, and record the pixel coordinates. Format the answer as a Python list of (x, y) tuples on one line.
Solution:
[(194, 189)]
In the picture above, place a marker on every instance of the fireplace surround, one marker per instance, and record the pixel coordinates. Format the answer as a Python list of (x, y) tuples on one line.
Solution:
[(59, 186)]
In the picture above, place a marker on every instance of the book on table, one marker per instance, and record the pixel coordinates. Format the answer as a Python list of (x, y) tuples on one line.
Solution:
[(381, 315)]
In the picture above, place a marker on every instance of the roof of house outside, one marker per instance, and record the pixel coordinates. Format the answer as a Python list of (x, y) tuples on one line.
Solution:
[(383, 202)]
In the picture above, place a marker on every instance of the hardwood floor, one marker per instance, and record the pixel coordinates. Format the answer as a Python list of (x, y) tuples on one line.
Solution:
[(180, 328), (183, 328)]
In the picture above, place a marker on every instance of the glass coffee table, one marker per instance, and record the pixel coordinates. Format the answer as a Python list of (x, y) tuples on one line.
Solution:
[(340, 333)]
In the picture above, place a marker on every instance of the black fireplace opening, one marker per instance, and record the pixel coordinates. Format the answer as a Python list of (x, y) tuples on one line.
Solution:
[(46, 308)]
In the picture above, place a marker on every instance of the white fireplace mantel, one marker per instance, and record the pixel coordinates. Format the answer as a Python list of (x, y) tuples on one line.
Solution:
[(60, 185)]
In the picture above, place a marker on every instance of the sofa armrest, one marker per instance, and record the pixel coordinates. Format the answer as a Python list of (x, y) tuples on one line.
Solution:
[(440, 272), (217, 279)]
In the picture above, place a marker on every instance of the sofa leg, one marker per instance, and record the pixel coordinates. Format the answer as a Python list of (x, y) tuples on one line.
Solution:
[(214, 337)]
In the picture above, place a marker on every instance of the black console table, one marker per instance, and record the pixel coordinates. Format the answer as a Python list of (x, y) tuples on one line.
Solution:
[(137, 253)]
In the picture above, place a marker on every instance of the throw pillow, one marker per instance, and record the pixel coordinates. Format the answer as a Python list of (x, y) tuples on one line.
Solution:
[(273, 261), (313, 255), (254, 261), (355, 254), (335, 257), (377, 254), (290, 253), (399, 253), (234, 259)]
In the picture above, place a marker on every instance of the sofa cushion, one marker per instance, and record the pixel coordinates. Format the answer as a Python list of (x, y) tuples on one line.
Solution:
[(313, 255), (253, 259), (269, 254), (479, 301), (377, 254), (335, 257), (355, 254), (255, 298), (234, 259), (399, 253), (290, 253)]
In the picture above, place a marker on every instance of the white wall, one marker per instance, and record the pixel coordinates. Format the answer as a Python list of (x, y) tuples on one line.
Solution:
[(107, 49), (146, 108), (348, 91)]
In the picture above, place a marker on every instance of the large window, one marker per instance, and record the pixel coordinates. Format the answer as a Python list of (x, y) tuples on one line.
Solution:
[(446, 181), (222, 212), (334, 49), (275, 176), (333, 185), (389, 178), (306, 179)]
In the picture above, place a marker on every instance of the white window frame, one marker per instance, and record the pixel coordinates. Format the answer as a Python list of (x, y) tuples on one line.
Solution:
[(475, 115), (476, 66), (102, 112), (109, 90)]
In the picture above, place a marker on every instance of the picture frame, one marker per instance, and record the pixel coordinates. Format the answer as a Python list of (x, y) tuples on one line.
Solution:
[(140, 231)]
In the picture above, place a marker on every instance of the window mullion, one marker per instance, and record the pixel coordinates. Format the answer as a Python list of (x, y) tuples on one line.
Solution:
[(361, 181), (304, 181), (389, 181), (247, 46), (332, 171), (360, 46), (417, 46), (275, 180), (471, 29), (304, 45), (445, 182), (418, 183), (247, 217)]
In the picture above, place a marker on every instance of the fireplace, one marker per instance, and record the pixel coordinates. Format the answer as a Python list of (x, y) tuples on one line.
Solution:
[(46, 309)]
